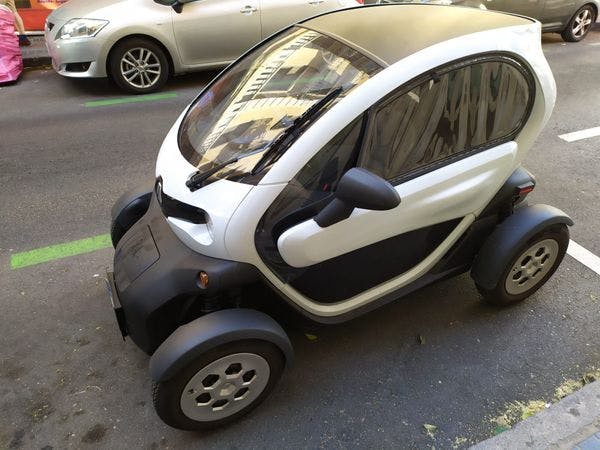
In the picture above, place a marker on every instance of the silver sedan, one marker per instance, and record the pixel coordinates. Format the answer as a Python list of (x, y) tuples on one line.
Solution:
[(139, 43), (573, 19)]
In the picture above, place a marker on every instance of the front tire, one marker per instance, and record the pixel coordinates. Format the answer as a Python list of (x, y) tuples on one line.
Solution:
[(580, 24), (220, 386), (139, 66), (533, 264)]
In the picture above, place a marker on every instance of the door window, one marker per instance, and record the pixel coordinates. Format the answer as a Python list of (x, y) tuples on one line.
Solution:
[(306, 194), (447, 117)]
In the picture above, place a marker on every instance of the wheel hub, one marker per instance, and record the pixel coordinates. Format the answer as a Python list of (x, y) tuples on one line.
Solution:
[(531, 266), (224, 387)]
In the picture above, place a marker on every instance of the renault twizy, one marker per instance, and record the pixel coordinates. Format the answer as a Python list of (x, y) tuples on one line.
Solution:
[(344, 162)]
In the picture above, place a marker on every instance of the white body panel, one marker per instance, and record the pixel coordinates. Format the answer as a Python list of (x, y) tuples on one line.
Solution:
[(451, 192), (461, 189), (219, 199)]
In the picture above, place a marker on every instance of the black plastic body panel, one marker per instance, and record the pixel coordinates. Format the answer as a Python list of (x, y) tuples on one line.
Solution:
[(214, 329), (133, 204), (155, 293), (352, 273), (501, 247)]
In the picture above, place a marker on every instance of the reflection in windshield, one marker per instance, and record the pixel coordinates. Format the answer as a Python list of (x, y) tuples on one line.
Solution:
[(260, 97)]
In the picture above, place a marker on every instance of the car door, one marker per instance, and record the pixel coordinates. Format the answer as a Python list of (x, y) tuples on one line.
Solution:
[(277, 14), (529, 8), (445, 143), (557, 13), (210, 32)]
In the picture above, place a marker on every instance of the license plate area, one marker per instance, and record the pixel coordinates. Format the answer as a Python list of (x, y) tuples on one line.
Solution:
[(116, 304)]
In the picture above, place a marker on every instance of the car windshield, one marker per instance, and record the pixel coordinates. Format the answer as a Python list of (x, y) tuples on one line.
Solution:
[(256, 100)]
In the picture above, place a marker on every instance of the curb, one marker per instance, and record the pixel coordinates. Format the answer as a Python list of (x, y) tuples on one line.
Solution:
[(563, 425), (29, 63), (36, 55)]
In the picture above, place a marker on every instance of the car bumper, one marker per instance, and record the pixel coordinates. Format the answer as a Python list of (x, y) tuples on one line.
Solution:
[(155, 280), (77, 58)]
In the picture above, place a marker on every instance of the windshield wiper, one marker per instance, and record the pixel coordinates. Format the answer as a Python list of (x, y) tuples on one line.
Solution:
[(277, 149), (196, 181)]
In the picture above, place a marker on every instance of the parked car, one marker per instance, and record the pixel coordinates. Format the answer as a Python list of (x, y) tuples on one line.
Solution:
[(344, 162), (573, 19), (140, 43)]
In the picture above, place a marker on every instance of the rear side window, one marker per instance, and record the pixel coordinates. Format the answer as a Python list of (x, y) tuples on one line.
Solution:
[(449, 115)]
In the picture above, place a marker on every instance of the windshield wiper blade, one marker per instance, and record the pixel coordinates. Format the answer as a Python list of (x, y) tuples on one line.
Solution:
[(276, 149), (197, 179)]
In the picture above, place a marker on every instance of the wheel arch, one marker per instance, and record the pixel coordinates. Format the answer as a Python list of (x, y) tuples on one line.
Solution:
[(212, 330), (595, 6), (500, 247), (141, 36)]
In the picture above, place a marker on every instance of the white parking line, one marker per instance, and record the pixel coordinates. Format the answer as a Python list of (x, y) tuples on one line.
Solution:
[(578, 135), (584, 256)]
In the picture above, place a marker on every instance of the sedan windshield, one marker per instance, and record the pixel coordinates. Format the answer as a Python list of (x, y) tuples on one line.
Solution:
[(260, 97)]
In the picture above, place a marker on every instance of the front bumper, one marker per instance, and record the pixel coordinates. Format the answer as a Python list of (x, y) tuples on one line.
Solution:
[(77, 58), (155, 279)]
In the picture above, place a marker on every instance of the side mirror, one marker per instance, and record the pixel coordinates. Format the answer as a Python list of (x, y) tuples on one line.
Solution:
[(177, 5), (358, 188)]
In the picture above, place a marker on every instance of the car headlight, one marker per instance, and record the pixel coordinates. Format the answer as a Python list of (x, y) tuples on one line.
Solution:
[(78, 28)]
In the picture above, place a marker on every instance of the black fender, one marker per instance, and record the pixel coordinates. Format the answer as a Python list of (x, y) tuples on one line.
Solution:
[(500, 247), (207, 332), (129, 207)]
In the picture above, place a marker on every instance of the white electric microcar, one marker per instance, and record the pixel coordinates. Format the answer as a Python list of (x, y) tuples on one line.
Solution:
[(343, 162)]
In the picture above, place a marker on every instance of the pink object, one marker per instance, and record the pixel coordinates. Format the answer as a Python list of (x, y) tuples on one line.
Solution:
[(11, 61)]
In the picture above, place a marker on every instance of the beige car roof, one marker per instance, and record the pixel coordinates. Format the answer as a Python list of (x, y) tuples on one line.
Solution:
[(392, 32)]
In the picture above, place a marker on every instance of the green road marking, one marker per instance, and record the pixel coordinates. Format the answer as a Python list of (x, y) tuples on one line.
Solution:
[(132, 99), (58, 251)]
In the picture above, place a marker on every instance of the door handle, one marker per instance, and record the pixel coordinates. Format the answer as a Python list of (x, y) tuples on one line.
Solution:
[(248, 9), (315, 2)]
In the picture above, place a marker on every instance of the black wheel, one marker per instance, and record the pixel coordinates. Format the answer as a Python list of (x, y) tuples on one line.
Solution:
[(139, 66), (580, 24), (533, 264), (220, 386)]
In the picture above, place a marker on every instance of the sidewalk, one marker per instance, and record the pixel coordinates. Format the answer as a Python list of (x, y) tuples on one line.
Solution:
[(571, 424), (36, 54)]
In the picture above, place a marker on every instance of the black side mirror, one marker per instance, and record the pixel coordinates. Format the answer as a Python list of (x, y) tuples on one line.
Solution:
[(177, 5), (358, 188)]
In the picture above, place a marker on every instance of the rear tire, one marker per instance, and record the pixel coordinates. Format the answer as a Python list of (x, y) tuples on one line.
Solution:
[(580, 24), (532, 265), (139, 66), (204, 395)]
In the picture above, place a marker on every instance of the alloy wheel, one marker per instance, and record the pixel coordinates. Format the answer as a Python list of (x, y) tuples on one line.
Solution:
[(582, 23), (140, 67)]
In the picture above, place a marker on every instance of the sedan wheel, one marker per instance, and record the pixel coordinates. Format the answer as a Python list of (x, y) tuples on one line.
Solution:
[(580, 24), (139, 66)]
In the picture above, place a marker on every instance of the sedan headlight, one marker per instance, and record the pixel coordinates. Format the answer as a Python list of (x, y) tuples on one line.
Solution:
[(78, 28)]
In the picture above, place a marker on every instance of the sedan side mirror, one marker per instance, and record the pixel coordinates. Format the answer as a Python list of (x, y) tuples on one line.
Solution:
[(177, 5), (358, 188)]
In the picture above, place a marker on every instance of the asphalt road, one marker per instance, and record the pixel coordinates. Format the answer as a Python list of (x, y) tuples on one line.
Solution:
[(437, 357)]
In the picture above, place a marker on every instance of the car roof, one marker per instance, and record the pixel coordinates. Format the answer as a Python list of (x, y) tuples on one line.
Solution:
[(392, 32)]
